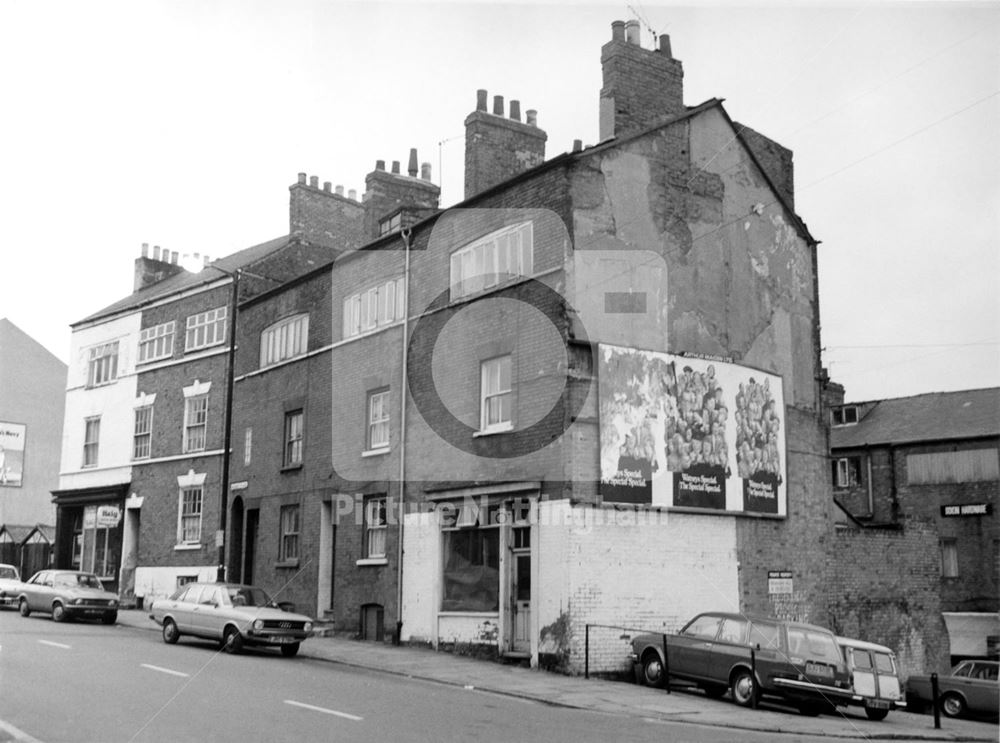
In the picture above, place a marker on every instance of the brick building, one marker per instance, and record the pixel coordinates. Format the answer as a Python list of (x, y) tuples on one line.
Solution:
[(934, 459)]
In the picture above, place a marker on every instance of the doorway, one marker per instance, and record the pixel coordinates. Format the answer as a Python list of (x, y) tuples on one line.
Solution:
[(520, 589), (250, 548)]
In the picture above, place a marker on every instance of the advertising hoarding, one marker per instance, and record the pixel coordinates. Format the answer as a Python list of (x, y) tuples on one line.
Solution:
[(681, 431), (12, 436)]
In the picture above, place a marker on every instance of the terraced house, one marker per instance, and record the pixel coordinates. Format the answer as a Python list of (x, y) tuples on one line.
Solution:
[(587, 396)]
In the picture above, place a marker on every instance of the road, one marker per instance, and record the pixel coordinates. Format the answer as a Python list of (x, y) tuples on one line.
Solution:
[(85, 682)]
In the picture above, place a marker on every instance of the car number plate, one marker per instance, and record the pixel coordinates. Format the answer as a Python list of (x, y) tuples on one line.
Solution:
[(817, 669), (878, 704), (284, 640)]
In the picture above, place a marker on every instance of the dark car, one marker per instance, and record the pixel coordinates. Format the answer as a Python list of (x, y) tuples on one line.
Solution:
[(798, 663), (234, 614), (68, 594), (970, 688)]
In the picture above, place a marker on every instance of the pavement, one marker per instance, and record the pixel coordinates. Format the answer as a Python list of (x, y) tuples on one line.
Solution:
[(616, 697)]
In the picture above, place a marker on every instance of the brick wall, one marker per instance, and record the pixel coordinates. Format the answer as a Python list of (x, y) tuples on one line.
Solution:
[(882, 587)]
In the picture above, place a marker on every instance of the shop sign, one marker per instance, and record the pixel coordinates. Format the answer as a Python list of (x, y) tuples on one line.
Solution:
[(779, 582), (108, 515), (967, 509)]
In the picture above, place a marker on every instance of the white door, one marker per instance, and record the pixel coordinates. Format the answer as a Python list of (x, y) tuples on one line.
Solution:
[(520, 589)]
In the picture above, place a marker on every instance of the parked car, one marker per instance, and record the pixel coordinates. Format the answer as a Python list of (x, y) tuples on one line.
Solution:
[(235, 615), (68, 594), (970, 688), (875, 677), (10, 585), (800, 664)]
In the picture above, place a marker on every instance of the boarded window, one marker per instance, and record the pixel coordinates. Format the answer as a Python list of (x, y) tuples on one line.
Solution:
[(971, 465)]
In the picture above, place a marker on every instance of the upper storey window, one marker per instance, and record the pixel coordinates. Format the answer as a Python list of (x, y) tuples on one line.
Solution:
[(500, 256), (102, 366), (156, 342), (285, 339), (205, 329), (374, 308)]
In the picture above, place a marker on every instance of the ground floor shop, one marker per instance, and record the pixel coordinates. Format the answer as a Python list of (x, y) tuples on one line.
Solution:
[(90, 531)]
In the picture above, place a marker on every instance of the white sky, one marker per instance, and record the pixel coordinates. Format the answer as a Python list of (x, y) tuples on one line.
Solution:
[(182, 124)]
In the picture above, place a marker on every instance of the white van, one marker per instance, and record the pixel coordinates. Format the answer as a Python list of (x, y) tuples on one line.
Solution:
[(875, 676)]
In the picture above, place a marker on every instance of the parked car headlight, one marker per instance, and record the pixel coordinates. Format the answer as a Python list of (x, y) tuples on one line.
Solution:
[(258, 624), (76, 601), (308, 626)]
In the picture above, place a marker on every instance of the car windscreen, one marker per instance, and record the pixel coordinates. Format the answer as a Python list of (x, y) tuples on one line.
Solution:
[(247, 596), (76, 580), (8, 573), (812, 644)]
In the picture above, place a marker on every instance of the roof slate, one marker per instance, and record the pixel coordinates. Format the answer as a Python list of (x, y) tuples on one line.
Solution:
[(934, 416)]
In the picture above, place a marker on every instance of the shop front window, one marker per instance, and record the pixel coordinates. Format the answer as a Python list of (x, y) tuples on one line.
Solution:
[(471, 567), (96, 546)]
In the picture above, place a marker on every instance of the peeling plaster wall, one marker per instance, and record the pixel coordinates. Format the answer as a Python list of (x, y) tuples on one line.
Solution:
[(688, 203)]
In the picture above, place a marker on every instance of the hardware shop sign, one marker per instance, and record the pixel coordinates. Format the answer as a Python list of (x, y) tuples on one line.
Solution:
[(967, 509)]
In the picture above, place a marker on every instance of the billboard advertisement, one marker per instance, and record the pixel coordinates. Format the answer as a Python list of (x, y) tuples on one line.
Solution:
[(11, 454), (682, 431)]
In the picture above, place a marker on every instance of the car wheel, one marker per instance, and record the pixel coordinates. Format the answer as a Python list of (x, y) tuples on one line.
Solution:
[(290, 650), (952, 704), (170, 633), (876, 714), (22, 606), (109, 617), (59, 613), (714, 691), (232, 641), (744, 688), (652, 670)]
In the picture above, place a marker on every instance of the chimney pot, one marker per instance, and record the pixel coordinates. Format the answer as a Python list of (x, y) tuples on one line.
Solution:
[(498, 105), (156, 252), (481, 98), (665, 44), (632, 32), (515, 110), (412, 166), (327, 186), (340, 191), (395, 167), (577, 145), (353, 194), (314, 181), (145, 250), (425, 171), (173, 257), (618, 31), (532, 115), (380, 165), (302, 178)]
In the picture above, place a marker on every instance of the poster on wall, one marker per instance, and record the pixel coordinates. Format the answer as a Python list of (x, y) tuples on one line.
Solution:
[(11, 454), (682, 431)]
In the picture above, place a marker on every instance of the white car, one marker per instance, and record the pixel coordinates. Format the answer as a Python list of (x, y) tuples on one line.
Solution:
[(10, 585), (235, 615)]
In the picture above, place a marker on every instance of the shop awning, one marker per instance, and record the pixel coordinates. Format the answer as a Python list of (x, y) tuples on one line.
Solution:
[(968, 631), (86, 496)]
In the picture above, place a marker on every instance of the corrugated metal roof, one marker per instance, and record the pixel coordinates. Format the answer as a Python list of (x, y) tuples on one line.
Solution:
[(934, 416)]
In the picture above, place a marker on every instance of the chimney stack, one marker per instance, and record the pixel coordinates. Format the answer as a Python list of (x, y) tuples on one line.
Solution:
[(323, 216), (641, 86), (152, 270), (498, 148), (387, 193)]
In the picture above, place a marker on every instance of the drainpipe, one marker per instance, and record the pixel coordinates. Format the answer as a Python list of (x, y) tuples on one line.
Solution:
[(406, 235), (871, 495), (228, 432), (894, 490)]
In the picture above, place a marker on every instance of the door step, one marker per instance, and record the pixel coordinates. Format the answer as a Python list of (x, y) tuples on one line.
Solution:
[(516, 658)]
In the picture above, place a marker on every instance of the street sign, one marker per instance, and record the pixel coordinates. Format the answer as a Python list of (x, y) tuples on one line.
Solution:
[(779, 582)]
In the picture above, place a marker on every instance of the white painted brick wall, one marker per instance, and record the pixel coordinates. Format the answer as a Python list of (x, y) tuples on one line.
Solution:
[(638, 568)]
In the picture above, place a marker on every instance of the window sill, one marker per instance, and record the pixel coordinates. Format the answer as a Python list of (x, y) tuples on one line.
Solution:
[(287, 563), (494, 431), (292, 467), (182, 547), (375, 452), (370, 561)]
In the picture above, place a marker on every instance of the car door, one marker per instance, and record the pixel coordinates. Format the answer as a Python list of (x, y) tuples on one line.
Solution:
[(691, 658), (864, 672), (730, 646), (211, 612), (981, 687), (183, 608), (771, 657), (40, 592)]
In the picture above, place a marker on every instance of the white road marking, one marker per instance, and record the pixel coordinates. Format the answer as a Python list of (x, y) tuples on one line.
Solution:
[(54, 644), (16, 733), (164, 670), (324, 710)]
